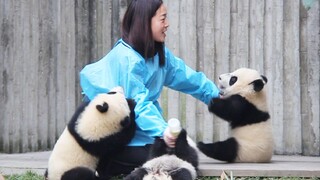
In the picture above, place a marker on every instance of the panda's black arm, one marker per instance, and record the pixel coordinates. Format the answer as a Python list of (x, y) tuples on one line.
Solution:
[(229, 109), (158, 148), (184, 151)]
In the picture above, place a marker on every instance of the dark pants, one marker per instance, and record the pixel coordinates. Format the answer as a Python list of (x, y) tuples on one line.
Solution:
[(125, 162)]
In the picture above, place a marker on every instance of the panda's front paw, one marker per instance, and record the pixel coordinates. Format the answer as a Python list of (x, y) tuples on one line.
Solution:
[(213, 104), (136, 174), (200, 144), (203, 147), (182, 142), (182, 135)]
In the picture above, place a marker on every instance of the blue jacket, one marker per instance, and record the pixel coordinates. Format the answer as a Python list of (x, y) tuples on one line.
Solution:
[(143, 81)]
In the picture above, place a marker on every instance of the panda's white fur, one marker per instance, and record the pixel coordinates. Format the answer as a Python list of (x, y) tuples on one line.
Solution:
[(102, 125), (243, 104), (89, 129), (245, 76), (256, 142), (67, 154), (160, 168)]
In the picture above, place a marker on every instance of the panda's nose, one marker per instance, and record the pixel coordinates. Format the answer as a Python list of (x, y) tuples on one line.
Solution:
[(219, 77)]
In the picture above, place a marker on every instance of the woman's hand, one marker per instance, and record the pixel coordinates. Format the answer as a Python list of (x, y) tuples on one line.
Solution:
[(169, 139)]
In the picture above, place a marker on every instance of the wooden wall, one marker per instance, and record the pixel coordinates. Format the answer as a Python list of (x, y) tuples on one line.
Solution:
[(44, 45)]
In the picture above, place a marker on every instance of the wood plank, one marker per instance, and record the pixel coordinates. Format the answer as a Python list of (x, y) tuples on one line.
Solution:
[(280, 166), (233, 62), (309, 62), (292, 113), (44, 57), (18, 79), (256, 35), (205, 58), (29, 74), (222, 21), (275, 76), (242, 42), (188, 53), (280, 38), (8, 42), (53, 41), (65, 64), (173, 43)]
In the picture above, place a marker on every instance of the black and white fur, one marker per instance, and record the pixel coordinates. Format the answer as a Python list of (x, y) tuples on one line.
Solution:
[(99, 128), (243, 104), (179, 163)]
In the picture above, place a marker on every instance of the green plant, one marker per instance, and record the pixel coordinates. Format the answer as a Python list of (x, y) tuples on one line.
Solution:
[(29, 175)]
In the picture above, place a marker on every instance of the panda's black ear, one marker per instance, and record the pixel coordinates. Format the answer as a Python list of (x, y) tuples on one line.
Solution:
[(257, 85), (264, 79), (102, 108), (132, 104)]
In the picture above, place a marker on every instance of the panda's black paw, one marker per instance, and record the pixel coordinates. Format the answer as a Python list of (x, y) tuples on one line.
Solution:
[(182, 135), (200, 144), (136, 174), (158, 148), (213, 104), (203, 147), (182, 142)]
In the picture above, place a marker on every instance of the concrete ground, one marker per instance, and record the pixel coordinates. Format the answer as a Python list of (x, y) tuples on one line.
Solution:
[(280, 166)]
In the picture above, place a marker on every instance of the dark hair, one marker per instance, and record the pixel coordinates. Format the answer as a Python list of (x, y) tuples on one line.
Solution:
[(136, 28)]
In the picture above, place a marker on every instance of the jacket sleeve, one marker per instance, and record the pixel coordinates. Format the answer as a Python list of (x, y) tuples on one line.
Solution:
[(182, 78), (148, 116)]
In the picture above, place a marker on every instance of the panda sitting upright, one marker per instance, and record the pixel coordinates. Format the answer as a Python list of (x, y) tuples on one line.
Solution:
[(99, 128), (179, 163), (243, 104)]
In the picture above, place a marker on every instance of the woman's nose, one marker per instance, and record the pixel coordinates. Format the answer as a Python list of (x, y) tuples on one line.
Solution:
[(166, 25)]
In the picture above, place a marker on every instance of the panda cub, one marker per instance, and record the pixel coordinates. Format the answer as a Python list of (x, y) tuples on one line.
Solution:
[(165, 163), (99, 128), (243, 104)]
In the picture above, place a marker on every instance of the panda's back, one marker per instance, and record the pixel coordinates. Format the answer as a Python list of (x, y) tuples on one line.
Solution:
[(255, 142), (66, 155)]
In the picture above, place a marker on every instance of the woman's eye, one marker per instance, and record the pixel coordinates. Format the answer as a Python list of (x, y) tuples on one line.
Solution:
[(233, 80)]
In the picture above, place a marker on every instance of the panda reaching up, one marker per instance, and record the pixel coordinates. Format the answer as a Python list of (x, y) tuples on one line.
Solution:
[(179, 163), (243, 104), (99, 128)]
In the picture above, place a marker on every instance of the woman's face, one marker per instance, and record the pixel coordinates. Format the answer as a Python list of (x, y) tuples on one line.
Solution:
[(159, 24)]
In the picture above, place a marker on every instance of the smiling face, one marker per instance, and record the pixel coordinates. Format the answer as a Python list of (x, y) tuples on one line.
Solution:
[(159, 24)]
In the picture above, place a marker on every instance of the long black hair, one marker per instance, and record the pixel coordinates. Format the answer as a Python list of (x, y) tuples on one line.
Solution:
[(136, 29)]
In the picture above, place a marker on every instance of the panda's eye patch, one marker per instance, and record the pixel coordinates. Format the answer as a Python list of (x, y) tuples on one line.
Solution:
[(102, 108), (112, 92), (233, 80)]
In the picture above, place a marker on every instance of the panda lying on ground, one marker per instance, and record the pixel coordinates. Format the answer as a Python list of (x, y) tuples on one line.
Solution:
[(243, 104), (179, 163), (99, 128)]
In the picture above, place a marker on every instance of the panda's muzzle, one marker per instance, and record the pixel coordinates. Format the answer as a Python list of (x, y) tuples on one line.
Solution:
[(125, 122)]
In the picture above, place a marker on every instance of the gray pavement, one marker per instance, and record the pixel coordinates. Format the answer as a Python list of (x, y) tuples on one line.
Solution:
[(280, 166)]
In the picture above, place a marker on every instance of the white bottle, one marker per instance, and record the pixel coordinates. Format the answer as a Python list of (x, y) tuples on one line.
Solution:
[(174, 126)]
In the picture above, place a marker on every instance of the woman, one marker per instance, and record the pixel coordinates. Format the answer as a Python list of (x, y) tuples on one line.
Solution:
[(142, 65)]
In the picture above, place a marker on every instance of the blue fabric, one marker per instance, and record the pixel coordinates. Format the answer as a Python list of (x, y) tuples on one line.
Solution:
[(143, 81)]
